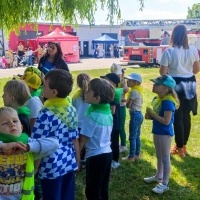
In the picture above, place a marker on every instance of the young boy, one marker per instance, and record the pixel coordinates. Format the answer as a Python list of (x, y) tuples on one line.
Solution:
[(134, 103), (32, 78), (115, 109), (17, 171), (16, 93), (96, 134), (58, 119)]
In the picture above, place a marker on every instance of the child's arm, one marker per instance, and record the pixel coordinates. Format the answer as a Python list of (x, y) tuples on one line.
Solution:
[(113, 108), (12, 148), (77, 152), (82, 140), (129, 103), (163, 120)]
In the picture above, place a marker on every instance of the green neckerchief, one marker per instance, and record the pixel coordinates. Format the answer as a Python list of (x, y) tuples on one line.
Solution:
[(59, 107), (157, 101), (24, 110), (37, 93), (118, 94), (6, 138), (137, 88), (104, 116)]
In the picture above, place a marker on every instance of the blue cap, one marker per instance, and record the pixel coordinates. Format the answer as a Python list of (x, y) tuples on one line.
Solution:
[(134, 77), (165, 80)]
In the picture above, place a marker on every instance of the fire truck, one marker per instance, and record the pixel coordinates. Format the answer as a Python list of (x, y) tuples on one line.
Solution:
[(145, 40)]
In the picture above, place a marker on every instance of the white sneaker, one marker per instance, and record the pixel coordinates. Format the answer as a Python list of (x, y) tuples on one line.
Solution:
[(152, 179), (160, 188), (115, 164), (122, 149)]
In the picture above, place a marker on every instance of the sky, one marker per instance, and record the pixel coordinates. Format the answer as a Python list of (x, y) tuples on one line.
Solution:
[(153, 9)]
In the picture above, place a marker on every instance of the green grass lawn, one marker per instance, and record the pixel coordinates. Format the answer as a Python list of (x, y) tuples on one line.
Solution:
[(126, 182)]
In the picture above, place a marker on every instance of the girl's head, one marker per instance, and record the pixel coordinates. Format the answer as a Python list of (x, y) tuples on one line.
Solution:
[(179, 37), (54, 50), (163, 85), (133, 79), (82, 82)]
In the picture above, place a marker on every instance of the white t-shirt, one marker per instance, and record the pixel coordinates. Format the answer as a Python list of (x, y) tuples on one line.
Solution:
[(137, 101), (35, 105), (99, 137), (180, 61)]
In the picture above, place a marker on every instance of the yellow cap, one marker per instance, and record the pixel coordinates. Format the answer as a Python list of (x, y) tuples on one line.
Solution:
[(32, 80)]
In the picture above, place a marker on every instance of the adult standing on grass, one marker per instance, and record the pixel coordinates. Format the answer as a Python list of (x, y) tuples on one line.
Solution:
[(52, 59), (181, 61)]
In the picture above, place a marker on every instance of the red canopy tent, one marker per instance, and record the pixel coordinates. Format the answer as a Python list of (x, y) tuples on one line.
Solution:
[(68, 43)]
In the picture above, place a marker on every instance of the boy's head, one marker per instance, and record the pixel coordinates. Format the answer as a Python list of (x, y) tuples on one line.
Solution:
[(57, 83), (165, 80), (15, 92), (133, 79), (99, 91), (112, 78), (9, 121)]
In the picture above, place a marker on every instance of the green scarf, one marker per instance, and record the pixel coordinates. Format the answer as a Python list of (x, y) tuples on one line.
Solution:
[(137, 88), (104, 116), (118, 94), (37, 93), (6, 138), (157, 101), (24, 110)]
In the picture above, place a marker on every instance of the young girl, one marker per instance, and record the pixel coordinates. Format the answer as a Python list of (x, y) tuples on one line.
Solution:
[(134, 103), (78, 101), (162, 114)]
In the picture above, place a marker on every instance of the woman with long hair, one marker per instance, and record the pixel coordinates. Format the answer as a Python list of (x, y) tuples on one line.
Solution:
[(181, 61), (52, 59)]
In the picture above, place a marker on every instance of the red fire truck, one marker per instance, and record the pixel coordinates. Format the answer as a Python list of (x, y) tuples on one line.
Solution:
[(152, 33)]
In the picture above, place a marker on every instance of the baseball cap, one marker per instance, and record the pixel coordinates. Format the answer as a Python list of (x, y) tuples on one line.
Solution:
[(135, 77), (165, 80), (112, 77), (32, 80), (116, 68)]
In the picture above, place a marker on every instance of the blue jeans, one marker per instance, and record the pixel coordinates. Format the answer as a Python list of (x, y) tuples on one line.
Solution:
[(136, 119)]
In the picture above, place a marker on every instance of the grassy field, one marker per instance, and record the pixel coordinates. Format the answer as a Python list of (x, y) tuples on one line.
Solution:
[(126, 182)]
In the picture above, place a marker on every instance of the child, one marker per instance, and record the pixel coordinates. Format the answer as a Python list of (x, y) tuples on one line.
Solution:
[(164, 106), (32, 78), (16, 93), (95, 134), (17, 171), (78, 101), (115, 108), (134, 103), (116, 68), (58, 119)]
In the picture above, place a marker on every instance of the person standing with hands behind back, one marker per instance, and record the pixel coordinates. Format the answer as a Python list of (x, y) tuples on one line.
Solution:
[(162, 114), (181, 61)]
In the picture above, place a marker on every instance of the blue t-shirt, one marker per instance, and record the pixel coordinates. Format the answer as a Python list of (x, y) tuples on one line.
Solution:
[(47, 67), (161, 129)]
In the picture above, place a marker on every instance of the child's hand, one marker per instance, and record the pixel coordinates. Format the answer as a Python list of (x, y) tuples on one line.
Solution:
[(147, 116), (13, 148), (150, 112)]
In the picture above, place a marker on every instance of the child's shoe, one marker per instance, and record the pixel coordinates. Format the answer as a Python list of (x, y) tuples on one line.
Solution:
[(122, 149), (152, 179), (128, 158), (160, 188), (173, 149), (115, 164)]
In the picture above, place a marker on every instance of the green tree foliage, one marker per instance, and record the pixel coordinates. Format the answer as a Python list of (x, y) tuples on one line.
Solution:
[(194, 12), (14, 13)]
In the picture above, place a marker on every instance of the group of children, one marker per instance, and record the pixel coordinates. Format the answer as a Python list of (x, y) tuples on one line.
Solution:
[(61, 129)]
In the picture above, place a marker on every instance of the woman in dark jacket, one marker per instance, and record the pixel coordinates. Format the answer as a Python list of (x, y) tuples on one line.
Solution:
[(52, 59)]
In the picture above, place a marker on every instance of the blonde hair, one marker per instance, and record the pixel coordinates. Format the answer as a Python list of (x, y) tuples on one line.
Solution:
[(82, 81), (174, 94), (7, 109), (19, 90)]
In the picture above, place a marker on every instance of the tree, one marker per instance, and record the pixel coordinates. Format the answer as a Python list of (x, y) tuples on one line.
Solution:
[(14, 13), (194, 12)]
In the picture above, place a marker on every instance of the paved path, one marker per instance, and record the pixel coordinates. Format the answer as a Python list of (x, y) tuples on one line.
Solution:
[(85, 64)]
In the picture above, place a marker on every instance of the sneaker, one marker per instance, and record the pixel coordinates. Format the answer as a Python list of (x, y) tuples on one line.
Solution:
[(160, 188), (115, 164), (128, 158), (152, 179), (122, 149), (173, 149)]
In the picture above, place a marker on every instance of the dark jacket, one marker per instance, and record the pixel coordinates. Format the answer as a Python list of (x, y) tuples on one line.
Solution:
[(58, 64)]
